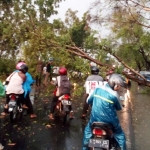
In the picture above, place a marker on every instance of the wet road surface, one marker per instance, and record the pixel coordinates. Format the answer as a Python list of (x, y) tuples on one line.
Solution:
[(140, 104), (44, 134), (41, 133)]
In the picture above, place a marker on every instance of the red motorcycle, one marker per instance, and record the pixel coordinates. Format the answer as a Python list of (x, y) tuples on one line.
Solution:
[(63, 106)]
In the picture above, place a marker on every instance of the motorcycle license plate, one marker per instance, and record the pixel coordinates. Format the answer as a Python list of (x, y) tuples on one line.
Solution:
[(66, 102), (99, 143), (12, 103)]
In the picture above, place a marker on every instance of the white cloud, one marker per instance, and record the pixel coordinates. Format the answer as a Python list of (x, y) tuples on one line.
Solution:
[(75, 5), (81, 6)]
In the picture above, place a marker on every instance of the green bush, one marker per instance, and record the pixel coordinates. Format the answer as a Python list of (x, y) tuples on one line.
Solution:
[(6, 67)]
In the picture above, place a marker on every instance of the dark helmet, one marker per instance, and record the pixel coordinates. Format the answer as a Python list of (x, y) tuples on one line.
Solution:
[(63, 71), (117, 79), (94, 70), (23, 68)]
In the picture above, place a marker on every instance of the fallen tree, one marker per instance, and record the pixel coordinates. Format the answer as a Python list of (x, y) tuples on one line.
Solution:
[(135, 76)]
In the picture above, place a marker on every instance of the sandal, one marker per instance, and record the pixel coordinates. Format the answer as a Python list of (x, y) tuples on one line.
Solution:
[(3, 114), (51, 117), (71, 115), (24, 106), (83, 116), (33, 116)]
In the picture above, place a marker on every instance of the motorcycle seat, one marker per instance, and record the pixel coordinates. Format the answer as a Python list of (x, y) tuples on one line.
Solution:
[(102, 125)]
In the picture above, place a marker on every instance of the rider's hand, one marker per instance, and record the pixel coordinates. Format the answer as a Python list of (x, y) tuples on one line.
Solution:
[(52, 82)]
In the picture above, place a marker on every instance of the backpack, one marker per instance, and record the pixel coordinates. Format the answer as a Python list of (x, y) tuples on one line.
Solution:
[(64, 86)]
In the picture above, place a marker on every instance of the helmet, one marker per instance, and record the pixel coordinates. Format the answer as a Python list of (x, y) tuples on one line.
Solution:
[(19, 64), (116, 79), (94, 70), (63, 71), (23, 68)]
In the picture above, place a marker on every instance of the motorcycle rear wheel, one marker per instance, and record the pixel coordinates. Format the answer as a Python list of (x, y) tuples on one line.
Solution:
[(13, 116), (64, 116)]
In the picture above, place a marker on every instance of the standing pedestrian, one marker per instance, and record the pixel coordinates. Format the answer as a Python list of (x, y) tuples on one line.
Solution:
[(39, 67), (48, 72)]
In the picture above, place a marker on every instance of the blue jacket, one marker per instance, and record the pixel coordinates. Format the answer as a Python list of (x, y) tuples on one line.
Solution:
[(27, 84), (105, 103)]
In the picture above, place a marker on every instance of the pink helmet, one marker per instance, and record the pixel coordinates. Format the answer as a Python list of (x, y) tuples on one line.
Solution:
[(63, 71), (19, 64)]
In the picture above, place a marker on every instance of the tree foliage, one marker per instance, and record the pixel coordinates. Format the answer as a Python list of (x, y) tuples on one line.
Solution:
[(25, 31)]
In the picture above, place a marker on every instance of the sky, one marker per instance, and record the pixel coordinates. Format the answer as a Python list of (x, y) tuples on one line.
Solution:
[(80, 5)]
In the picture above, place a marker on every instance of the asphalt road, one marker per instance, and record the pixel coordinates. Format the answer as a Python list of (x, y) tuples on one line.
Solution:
[(140, 108), (44, 134)]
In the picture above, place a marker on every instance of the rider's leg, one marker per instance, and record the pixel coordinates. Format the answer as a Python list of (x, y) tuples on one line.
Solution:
[(53, 104), (6, 106), (30, 106), (85, 107), (87, 136), (22, 100)]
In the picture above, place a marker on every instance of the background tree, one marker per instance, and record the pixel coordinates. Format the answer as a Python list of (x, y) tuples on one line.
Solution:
[(26, 30), (24, 26)]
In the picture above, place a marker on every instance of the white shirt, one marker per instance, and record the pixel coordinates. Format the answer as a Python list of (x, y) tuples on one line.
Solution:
[(44, 70), (92, 82), (15, 84), (91, 85)]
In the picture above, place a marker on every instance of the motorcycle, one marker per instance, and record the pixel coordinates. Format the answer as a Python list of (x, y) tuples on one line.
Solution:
[(14, 108), (63, 106), (102, 138)]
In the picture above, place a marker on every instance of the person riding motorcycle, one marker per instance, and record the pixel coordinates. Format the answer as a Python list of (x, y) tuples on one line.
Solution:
[(59, 92), (105, 101), (91, 83), (27, 89), (15, 85), (19, 64)]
